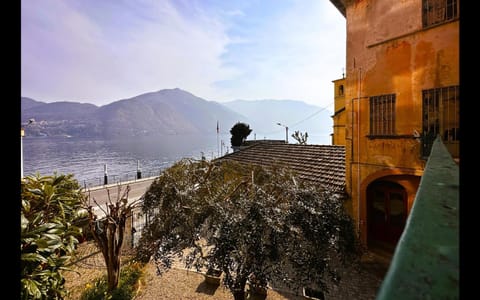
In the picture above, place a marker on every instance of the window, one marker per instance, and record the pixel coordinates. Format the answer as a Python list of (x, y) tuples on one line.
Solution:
[(439, 11), (441, 116), (382, 115), (340, 90)]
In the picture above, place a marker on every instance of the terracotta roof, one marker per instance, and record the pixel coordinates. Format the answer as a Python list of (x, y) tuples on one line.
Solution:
[(322, 164)]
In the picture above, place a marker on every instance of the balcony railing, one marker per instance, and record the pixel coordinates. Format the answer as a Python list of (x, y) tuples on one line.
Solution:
[(425, 264)]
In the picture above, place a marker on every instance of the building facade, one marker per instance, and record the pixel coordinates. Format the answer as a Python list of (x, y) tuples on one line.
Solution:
[(339, 116), (401, 91)]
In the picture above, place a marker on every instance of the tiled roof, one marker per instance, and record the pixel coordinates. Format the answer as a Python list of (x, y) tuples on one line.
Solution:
[(322, 164)]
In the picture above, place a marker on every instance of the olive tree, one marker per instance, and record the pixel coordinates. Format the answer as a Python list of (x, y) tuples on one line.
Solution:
[(175, 208), (257, 225), (275, 229), (50, 210)]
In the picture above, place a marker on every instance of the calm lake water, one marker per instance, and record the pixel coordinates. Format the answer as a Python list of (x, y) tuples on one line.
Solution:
[(85, 158)]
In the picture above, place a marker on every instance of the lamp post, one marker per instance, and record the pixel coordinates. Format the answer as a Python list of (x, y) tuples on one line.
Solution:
[(286, 132)]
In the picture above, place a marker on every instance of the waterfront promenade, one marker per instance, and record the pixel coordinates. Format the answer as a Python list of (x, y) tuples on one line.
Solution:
[(101, 193)]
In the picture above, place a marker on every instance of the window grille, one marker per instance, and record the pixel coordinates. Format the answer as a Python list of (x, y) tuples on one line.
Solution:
[(382, 115), (441, 116), (439, 11)]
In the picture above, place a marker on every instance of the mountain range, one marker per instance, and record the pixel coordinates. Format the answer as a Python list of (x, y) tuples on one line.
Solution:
[(171, 111)]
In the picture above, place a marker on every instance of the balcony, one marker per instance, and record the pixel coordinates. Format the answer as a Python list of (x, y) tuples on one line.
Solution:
[(425, 264)]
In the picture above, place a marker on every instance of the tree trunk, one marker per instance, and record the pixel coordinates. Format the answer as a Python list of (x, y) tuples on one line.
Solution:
[(110, 240), (113, 271)]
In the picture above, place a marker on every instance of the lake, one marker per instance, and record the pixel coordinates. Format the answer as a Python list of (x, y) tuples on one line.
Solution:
[(86, 157)]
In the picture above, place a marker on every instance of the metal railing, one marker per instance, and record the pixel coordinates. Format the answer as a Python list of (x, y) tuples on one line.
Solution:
[(118, 178)]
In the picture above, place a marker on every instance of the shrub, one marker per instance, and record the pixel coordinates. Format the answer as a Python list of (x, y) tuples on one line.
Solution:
[(130, 277), (49, 209)]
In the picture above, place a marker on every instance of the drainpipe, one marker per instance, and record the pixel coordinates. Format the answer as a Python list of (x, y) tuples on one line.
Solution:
[(358, 145), (352, 146)]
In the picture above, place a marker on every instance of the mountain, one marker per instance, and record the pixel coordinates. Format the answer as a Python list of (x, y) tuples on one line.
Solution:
[(263, 116), (59, 118), (59, 111), (28, 103), (175, 111), (172, 111)]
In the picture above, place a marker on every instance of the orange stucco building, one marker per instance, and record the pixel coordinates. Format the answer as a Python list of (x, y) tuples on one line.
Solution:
[(401, 91), (339, 115)]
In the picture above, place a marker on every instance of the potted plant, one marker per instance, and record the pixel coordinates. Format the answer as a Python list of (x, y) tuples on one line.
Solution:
[(310, 293), (212, 276), (256, 287)]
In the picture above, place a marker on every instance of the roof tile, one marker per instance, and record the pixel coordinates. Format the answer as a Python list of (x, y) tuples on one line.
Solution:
[(323, 164)]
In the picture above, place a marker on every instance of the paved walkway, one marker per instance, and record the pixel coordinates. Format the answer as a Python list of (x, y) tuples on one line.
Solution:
[(356, 283)]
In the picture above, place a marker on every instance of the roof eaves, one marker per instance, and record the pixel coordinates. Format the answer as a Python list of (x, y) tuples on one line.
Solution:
[(340, 5)]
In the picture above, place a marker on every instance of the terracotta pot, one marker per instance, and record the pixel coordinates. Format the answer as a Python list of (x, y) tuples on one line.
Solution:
[(212, 276)]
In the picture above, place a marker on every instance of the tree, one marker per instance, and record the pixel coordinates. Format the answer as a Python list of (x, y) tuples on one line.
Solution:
[(51, 207), (108, 231), (278, 230), (174, 206), (300, 137), (247, 222), (240, 132)]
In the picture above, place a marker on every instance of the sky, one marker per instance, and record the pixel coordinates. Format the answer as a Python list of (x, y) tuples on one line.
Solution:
[(99, 52)]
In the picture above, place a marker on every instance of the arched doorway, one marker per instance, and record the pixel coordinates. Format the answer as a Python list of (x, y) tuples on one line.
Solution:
[(387, 213)]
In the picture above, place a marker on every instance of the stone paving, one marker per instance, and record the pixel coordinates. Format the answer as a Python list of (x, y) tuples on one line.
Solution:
[(88, 256), (360, 282), (357, 282)]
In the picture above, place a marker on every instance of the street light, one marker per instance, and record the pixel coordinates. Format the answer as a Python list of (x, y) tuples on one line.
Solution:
[(286, 131)]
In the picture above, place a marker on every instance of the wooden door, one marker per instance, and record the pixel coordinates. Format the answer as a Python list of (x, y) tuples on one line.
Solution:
[(387, 212)]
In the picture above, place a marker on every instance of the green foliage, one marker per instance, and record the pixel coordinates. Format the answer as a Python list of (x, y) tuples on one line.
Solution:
[(246, 221), (240, 131), (50, 207), (130, 276), (279, 229), (176, 198), (301, 138)]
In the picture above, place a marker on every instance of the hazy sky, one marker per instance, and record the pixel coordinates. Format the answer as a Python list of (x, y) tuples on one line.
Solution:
[(102, 51)]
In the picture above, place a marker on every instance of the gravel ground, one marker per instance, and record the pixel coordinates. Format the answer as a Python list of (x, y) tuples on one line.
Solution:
[(360, 283)]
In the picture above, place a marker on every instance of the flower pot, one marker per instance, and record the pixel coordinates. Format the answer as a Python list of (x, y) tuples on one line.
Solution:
[(309, 293), (212, 276), (257, 292), (256, 288)]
